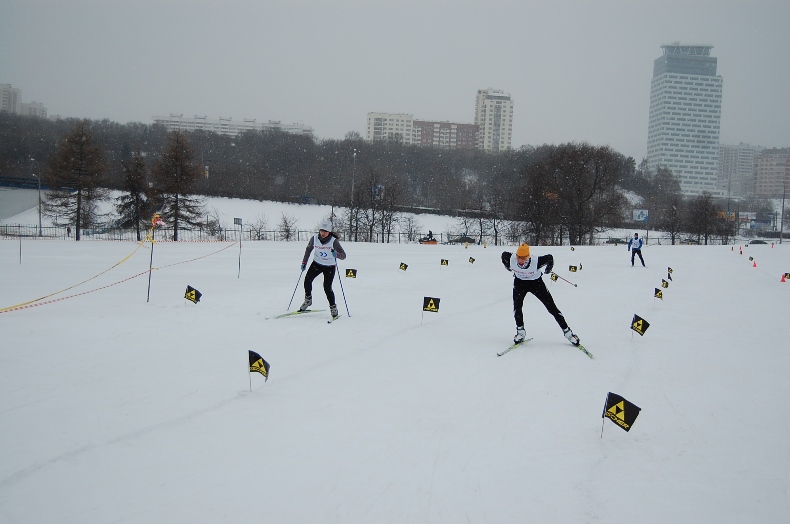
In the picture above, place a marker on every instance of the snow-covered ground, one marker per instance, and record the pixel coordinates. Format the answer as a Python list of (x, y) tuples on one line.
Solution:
[(116, 408), (119, 408)]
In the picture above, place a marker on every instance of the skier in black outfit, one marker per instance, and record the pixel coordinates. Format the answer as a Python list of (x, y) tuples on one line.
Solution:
[(527, 279), (326, 250)]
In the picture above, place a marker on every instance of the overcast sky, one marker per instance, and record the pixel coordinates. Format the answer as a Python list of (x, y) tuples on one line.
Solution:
[(578, 70)]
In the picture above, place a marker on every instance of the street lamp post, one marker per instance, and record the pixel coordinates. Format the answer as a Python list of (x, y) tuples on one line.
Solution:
[(38, 178), (784, 192), (352, 210)]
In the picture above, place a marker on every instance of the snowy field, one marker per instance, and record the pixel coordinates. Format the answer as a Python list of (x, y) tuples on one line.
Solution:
[(115, 408)]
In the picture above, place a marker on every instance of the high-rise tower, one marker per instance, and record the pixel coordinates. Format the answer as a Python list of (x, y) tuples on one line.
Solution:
[(685, 117), (494, 118)]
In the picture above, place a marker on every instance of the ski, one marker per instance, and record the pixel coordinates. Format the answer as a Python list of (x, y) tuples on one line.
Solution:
[(584, 350), (514, 346), (332, 319), (297, 312)]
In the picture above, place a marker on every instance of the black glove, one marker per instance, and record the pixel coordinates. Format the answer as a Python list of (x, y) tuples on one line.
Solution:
[(506, 259), (549, 267)]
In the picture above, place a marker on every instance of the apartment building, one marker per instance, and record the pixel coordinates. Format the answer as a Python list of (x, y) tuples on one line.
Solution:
[(494, 119), (772, 175), (737, 165), (10, 99), (444, 135), (390, 127), (228, 126)]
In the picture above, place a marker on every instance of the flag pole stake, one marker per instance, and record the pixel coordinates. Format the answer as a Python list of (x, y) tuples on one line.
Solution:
[(150, 266)]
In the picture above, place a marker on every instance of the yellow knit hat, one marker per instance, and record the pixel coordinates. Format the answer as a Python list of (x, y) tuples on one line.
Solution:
[(522, 251)]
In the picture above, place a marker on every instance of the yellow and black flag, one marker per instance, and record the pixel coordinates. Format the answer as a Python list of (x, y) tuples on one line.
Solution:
[(639, 325), (258, 364), (430, 304), (351, 273), (659, 294), (471, 260), (403, 267), (445, 262), (664, 283), (620, 411), (572, 269), (669, 276), (193, 294), (554, 277), (669, 269)]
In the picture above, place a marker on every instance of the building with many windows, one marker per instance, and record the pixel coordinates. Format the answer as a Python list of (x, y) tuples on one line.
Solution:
[(772, 175), (397, 127), (444, 135), (494, 119), (33, 109), (736, 169), (685, 117), (10, 99), (227, 126), (492, 130)]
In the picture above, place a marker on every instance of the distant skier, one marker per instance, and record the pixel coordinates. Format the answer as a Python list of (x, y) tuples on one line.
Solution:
[(527, 279), (326, 249), (635, 246)]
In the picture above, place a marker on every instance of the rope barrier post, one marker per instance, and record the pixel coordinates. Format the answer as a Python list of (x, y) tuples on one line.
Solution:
[(150, 266), (238, 221)]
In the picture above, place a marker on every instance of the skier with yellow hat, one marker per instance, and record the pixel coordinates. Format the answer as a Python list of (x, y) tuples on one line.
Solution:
[(527, 279)]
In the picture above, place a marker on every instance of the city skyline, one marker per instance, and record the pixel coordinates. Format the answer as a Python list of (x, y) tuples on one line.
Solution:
[(578, 71)]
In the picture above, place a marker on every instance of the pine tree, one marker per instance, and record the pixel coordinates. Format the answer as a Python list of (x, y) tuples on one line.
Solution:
[(75, 175), (175, 176), (134, 206)]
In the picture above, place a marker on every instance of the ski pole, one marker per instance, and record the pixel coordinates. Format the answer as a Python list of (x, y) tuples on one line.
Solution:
[(341, 283), (295, 288), (566, 280)]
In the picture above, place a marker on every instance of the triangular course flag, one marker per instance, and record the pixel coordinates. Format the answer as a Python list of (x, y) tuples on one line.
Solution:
[(471, 260), (664, 283), (620, 411), (193, 294), (258, 364), (351, 273), (572, 269), (403, 266), (445, 262), (659, 294), (430, 304), (639, 325)]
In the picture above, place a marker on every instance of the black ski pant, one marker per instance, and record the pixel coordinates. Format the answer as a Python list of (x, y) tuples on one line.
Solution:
[(637, 252), (313, 271), (538, 288)]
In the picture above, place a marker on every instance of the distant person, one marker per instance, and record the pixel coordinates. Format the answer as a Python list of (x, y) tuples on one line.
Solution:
[(527, 279), (430, 235), (68, 231), (635, 247), (326, 249)]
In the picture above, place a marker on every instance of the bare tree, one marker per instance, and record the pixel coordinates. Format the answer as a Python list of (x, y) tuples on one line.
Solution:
[(76, 175), (258, 227), (287, 227), (701, 217)]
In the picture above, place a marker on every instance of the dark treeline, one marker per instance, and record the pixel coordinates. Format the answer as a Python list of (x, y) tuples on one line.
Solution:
[(542, 195)]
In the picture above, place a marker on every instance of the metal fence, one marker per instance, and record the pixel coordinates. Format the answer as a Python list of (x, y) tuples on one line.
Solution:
[(32, 232)]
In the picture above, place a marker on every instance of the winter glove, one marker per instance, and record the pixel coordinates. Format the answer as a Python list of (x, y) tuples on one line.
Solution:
[(506, 260), (548, 269), (304, 266)]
